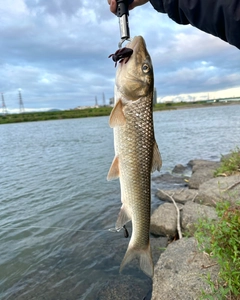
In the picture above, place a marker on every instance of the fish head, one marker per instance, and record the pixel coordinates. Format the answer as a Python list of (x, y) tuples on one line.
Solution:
[(134, 78)]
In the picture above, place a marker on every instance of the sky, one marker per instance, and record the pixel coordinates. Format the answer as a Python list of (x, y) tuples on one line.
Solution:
[(55, 52)]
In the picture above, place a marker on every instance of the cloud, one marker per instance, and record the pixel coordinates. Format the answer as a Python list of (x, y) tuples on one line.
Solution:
[(57, 51), (193, 61)]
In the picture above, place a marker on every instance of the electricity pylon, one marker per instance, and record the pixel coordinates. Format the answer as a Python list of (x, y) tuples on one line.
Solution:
[(21, 106), (4, 107)]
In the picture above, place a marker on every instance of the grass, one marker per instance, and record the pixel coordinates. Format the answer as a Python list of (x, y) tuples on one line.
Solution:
[(176, 105), (55, 115), (230, 165), (221, 240)]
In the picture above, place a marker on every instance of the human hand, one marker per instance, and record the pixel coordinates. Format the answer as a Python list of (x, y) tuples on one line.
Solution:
[(113, 4)]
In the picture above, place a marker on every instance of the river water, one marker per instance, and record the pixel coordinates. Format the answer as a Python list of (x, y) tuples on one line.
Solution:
[(56, 206)]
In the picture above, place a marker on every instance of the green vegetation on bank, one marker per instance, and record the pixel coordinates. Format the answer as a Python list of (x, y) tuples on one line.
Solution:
[(176, 105), (230, 165), (221, 238), (55, 115), (87, 112)]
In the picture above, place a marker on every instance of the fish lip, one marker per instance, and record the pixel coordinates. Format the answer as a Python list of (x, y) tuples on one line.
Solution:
[(132, 45)]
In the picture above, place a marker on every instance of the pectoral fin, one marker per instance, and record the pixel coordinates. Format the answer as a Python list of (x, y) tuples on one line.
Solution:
[(114, 169), (157, 160), (117, 117)]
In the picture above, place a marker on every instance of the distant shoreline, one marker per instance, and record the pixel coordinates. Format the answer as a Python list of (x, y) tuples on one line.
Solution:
[(97, 112), (212, 104), (194, 105)]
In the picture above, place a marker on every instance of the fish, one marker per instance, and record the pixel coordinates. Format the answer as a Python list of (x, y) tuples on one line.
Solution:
[(136, 150)]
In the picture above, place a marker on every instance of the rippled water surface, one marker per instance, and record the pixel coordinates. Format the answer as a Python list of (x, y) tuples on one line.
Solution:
[(56, 206)]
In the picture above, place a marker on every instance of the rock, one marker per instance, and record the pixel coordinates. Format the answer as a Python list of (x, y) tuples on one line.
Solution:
[(168, 181), (202, 170), (124, 288), (179, 169), (179, 272), (190, 214), (179, 195), (158, 246), (131, 285), (164, 220), (199, 177), (200, 163), (215, 190)]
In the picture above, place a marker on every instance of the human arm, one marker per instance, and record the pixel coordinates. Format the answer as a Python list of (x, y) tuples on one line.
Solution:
[(220, 18)]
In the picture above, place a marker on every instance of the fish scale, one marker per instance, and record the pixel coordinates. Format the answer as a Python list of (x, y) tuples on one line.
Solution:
[(136, 152)]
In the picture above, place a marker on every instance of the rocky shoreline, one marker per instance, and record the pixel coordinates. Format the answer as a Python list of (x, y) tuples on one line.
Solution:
[(179, 271)]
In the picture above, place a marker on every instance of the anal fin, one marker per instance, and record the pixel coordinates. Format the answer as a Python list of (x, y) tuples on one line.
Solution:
[(123, 217)]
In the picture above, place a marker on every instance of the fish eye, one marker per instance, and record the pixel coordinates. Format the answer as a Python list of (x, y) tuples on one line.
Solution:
[(145, 68)]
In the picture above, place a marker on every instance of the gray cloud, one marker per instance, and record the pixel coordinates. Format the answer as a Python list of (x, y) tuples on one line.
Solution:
[(57, 53), (55, 7)]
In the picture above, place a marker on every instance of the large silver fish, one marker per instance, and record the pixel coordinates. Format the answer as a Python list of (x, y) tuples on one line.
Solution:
[(136, 151)]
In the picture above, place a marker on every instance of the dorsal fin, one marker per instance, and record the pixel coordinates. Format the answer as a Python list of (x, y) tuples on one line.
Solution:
[(156, 160), (117, 117)]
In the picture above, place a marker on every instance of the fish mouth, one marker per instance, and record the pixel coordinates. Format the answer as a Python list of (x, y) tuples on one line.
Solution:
[(134, 43)]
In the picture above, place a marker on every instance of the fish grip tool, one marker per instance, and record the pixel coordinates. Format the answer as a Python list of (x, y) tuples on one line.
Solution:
[(122, 13)]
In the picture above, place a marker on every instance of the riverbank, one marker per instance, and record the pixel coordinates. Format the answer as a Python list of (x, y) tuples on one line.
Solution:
[(181, 270), (191, 272), (97, 112)]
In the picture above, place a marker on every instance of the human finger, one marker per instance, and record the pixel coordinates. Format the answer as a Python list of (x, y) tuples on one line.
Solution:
[(113, 5)]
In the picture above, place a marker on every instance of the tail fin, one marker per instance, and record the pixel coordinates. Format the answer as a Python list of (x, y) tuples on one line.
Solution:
[(145, 258)]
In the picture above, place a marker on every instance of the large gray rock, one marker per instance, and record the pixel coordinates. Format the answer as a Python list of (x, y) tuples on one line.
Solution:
[(123, 288), (158, 246), (201, 163), (219, 189), (202, 170), (180, 270), (168, 181), (179, 195), (164, 220), (132, 283), (190, 214), (179, 169)]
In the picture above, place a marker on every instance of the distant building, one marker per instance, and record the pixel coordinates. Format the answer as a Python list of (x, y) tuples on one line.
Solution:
[(85, 107)]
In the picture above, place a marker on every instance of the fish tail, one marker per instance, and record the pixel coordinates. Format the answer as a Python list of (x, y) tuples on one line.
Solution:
[(145, 257)]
